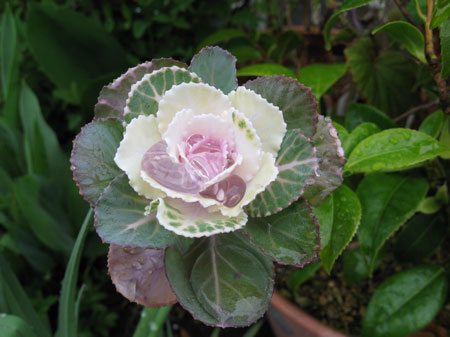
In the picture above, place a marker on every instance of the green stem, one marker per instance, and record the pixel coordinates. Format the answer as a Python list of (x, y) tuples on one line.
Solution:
[(151, 322)]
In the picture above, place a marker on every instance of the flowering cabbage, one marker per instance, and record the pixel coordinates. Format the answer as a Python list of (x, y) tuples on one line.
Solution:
[(198, 184)]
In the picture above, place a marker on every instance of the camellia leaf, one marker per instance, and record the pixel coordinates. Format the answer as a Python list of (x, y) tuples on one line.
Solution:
[(222, 35), (217, 67), (406, 302), (290, 237), (360, 133), (387, 201), (113, 97), (445, 46), (432, 125), (145, 95), (346, 6), (342, 132), (421, 236), (296, 163), (320, 77), (393, 150), (331, 162), (441, 13), (294, 99), (355, 264), (92, 157), (407, 35), (360, 113), (14, 326), (339, 218), (139, 275), (121, 219), (265, 69), (385, 80), (222, 280)]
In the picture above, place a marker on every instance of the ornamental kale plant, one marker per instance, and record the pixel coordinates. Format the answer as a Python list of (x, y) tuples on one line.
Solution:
[(199, 185)]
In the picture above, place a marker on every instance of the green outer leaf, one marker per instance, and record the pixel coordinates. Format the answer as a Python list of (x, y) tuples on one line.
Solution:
[(421, 236), (8, 49), (407, 35), (339, 217), (441, 13), (14, 326), (19, 303), (223, 268), (120, 219), (387, 201), (331, 162), (406, 302), (67, 316), (265, 69), (359, 113), (289, 237), (360, 133), (445, 47), (296, 163), (320, 77), (432, 125), (293, 98), (92, 157), (217, 67), (393, 150), (346, 6), (113, 97)]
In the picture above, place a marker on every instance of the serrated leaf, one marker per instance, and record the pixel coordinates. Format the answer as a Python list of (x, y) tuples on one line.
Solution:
[(441, 13), (331, 162), (113, 97), (432, 125), (407, 35), (360, 133), (139, 274), (289, 237), (293, 98), (421, 236), (339, 218), (346, 6), (145, 95), (406, 302), (393, 150), (385, 80), (14, 326), (296, 163), (8, 49), (121, 219), (360, 113), (92, 157), (217, 67), (265, 69), (445, 46), (387, 201), (356, 266), (320, 77), (222, 280)]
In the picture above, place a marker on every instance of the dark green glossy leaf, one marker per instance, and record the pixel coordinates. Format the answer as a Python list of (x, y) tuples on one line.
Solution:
[(222, 280), (406, 302), (441, 13), (121, 219), (301, 275), (113, 97), (445, 46), (356, 264), (360, 133), (92, 157), (320, 77), (265, 69), (293, 98), (387, 201), (14, 326), (217, 67), (339, 218), (407, 35), (386, 79), (331, 162), (432, 125), (394, 150), (421, 236), (360, 113), (8, 49), (289, 237), (296, 163)]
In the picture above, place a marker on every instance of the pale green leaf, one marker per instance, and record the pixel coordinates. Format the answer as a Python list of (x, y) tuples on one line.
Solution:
[(432, 125), (441, 13), (265, 69), (360, 133)]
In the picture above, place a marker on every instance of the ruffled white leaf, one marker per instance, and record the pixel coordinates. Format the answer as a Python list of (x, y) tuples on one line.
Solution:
[(266, 118), (193, 220), (139, 136)]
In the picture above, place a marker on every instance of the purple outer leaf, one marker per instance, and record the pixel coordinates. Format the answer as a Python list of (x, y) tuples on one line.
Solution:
[(113, 97), (293, 98), (139, 274), (331, 163)]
